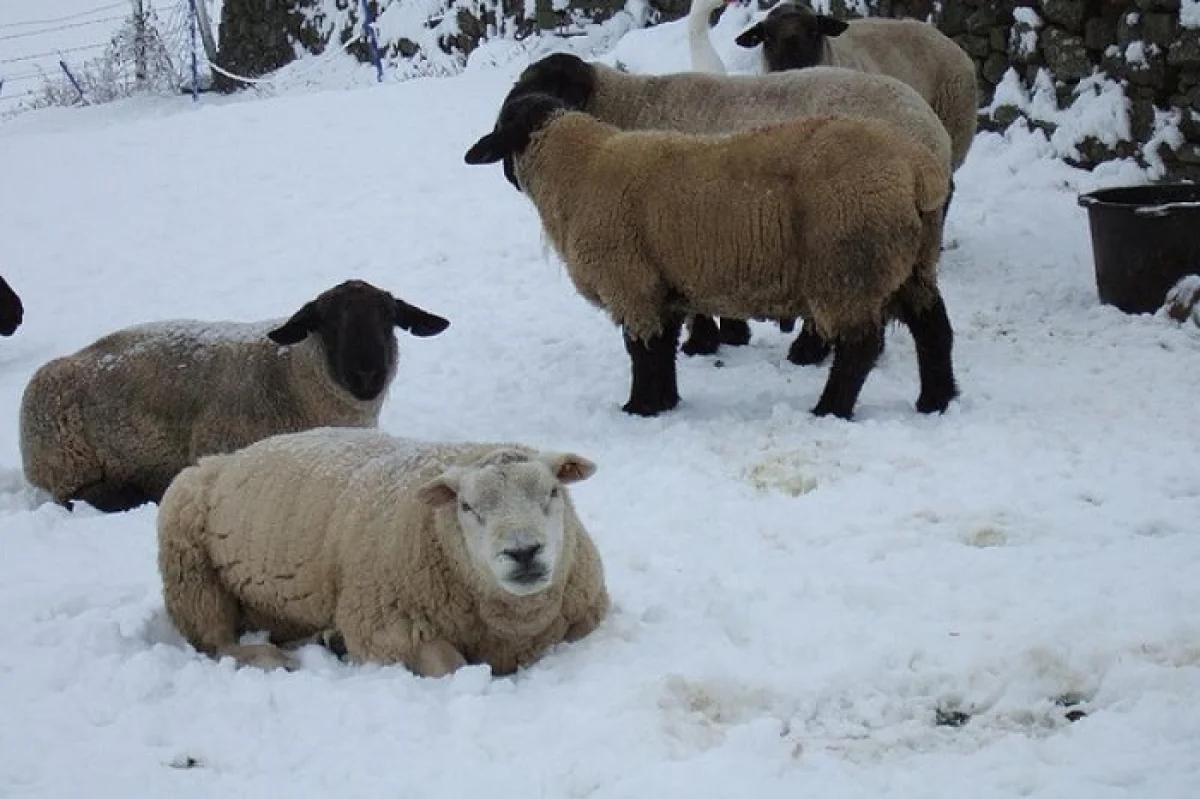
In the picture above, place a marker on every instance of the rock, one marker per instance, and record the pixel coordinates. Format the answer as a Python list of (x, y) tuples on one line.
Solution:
[(1160, 29), (1066, 55), (1099, 33), (994, 67), (1183, 300), (1185, 51), (1068, 13)]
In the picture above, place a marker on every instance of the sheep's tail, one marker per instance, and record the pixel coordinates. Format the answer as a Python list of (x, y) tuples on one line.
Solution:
[(932, 184)]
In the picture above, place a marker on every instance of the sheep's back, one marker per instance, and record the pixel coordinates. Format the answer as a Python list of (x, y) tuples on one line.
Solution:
[(764, 222), (294, 516), (922, 57), (699, 103)]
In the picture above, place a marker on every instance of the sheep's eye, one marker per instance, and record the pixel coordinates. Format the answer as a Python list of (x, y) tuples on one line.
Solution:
[(465, 508)]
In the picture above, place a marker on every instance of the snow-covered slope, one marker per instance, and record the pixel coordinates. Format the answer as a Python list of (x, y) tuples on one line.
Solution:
[(798, 602)]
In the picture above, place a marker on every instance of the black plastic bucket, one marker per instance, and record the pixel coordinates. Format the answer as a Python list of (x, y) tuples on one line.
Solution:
[(1144, 239)]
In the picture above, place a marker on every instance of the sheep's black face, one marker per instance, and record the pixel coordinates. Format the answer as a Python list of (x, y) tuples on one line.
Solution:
[(354, 322), (792, 36), (11, 310), (520, 118), (562, 75)]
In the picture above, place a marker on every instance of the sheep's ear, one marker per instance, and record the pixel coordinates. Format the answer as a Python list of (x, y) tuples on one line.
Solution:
[(567, 466), (489, 149), (418, 321), (830, 26), (441, 490), (752, 36), (296, 329)]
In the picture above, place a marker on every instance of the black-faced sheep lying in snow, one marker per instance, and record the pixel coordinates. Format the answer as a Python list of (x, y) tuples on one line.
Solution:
[(832, 219), (698, 103), (113, 423), (11, 309), (431, 555)]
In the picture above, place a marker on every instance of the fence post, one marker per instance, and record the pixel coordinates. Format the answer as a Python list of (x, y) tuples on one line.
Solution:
[(372, 42), (139, 44), (66, 70), (195, 65)]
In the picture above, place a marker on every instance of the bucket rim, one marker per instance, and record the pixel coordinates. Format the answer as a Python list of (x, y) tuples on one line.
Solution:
[(1103, 198)]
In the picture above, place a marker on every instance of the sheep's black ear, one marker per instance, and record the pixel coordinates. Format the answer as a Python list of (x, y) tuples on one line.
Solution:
[(752, 36), (296, 329), (417, 321), (830, 26), (489, 149)]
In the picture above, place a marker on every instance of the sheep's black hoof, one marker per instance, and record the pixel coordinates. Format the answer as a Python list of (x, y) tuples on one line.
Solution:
[(823, 408), (735, 332), (808, 349), (648, 408), (787, 325), (934, 403), (704, 338)]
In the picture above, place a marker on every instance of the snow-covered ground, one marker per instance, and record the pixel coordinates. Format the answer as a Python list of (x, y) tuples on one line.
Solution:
[(797, 601)]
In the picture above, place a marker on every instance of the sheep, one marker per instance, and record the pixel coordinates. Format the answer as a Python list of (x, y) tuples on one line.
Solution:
[(11, 309), (833, 219), (702, 103), (113, 423), (428, 554), (793, 37)]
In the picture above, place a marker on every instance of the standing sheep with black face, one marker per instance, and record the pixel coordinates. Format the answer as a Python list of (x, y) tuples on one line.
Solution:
[(794, 37), (113, 423), (692, 102), (11, 310), (832, 219)]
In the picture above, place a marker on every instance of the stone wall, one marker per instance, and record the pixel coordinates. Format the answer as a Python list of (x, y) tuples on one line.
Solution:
[(1035, 59), (1138, 44)]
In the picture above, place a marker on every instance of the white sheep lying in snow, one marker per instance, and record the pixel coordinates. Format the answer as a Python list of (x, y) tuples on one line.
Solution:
[(433, 555)]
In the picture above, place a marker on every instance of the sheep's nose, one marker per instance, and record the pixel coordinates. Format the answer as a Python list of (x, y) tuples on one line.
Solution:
[(524, 556)]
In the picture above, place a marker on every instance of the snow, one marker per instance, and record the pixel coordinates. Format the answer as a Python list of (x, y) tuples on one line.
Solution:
[(796, 600), (1189, 13)]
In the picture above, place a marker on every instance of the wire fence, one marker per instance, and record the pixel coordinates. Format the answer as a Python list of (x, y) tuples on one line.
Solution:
[(97, 53)]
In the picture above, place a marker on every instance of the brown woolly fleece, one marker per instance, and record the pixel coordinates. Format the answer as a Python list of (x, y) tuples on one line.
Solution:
[(322, 531), (693, 102), (140, 404), (822, 218), (924, 58)]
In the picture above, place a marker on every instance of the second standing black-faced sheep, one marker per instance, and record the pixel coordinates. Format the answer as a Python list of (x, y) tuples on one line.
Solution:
[(113, 423), (832, 219), (11, 309), (698, 103)]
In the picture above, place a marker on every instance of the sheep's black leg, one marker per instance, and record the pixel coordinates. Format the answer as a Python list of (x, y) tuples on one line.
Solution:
[(808, 348), (704, 338), (654, 387), (949, 197), (112, 497), (787, 325), (735, 332), (853, 358), (934, 338)]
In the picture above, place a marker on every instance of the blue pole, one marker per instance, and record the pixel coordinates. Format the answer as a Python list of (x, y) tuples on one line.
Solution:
[(71, 78), (372, 42), (195, 65)]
